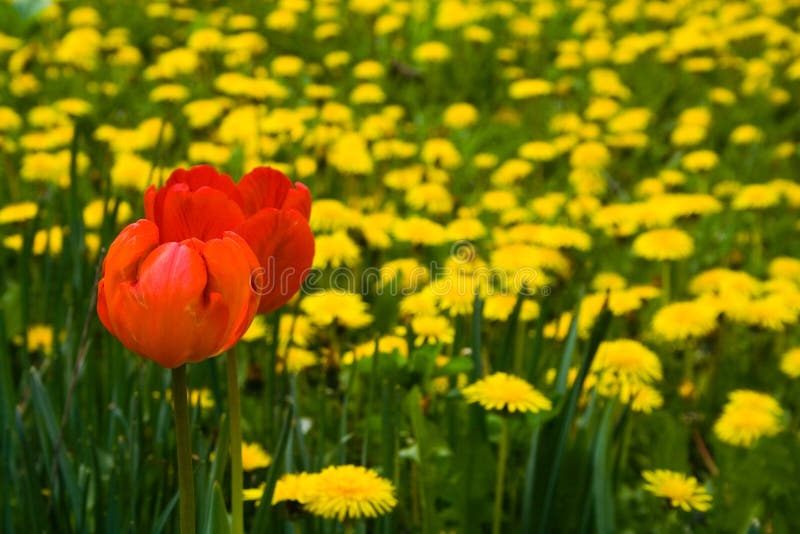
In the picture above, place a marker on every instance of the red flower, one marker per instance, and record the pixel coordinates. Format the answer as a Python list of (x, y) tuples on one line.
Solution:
[(178, 300), (265, 208)]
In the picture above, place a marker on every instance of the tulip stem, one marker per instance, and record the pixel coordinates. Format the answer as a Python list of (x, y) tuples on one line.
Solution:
[(235, 418), (185, 477)]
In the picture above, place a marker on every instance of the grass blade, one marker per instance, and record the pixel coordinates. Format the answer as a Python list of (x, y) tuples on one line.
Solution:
[(568, 414)]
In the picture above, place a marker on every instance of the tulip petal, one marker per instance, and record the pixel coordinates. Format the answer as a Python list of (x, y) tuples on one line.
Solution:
[(172, 305), (128, 250), (230, 263), (284, 245), (102, 307), (263, 187), (299, 199), (205, 176), (191, 180), (203, 214)]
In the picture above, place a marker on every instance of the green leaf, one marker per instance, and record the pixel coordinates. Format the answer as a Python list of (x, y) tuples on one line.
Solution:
[(569, 348), (44, 413), (413, 405), (601, 476), (30, 8), (216, 475), (455, 366), (220, 523), (568, 414), (264, 513)]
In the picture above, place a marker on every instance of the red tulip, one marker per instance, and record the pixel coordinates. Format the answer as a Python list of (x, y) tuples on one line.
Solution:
[(178, 300), (265, 208)]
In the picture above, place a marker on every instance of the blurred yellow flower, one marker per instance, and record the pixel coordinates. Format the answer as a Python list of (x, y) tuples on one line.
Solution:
[(254, 457), (681, 321), (747, 417), (664, 244)]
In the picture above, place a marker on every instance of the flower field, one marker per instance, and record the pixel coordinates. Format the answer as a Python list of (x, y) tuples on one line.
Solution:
[(399, 266)]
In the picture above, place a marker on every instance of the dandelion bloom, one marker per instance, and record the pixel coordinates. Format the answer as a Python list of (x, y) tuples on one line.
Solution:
[(790, 363), (681, 321), (264, 208), (502, 391), (748, 416), (295, 487), (176, 300), (683, 491), (664, 244), (254, 457), (346, 309), (350, 492), (624, 366)]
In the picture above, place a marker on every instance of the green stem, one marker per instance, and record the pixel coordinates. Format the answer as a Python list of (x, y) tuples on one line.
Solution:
[(502, 460), (235, 418), (757, 244), (185, 480), (666, 282)]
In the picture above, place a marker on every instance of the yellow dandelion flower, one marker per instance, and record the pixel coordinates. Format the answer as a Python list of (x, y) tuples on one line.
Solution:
[(664, 244), (21, 211), (680, 321), (790, 363), (349, 154), (40, 337), (432, 329), (646, 399), (484, 160), (498, 200), (683, 491), (254, 457), (529, 88), (253, 494), (336, 250), (330, 215), (623, 366), (294, 487), (460, 115), (441, 152), (699, 160), (432, 52), (746, 134), (432, 197), (724, 281), (423, 303), (296, 360), (419, 230), (748, 416), (501, 391), (608, 281), (783, 267), (171, 92), (327, 307), (773, 312), (386, 345), (756, 196), (348, 492)]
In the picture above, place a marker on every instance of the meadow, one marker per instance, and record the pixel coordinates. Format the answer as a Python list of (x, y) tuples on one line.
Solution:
[(555, 283)]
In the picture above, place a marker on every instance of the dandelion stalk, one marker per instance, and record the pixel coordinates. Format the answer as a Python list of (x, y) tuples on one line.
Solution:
[(235, 418), (502, 460), (185, 480), (666, 281)]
